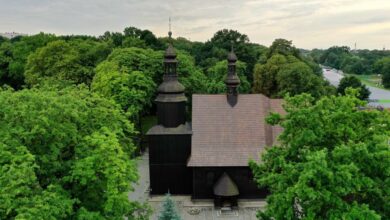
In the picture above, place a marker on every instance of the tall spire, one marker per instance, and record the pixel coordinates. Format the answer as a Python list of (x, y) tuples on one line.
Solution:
[(171, 90), (170, 62), (232, 81), (170, 31)]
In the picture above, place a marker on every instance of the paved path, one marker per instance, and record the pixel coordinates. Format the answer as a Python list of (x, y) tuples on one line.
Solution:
[(334, 77), (141, 189)]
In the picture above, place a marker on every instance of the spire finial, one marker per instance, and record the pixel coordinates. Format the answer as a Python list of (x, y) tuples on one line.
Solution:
[(170, 31)]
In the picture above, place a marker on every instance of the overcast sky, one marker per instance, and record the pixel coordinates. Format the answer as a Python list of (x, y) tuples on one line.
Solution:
[(308, 23)]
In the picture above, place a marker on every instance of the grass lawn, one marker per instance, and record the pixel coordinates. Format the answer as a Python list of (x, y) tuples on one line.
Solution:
[(384, 101), (372, 80)]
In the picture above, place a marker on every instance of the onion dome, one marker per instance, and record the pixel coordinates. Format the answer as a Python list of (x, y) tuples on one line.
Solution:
[(170, 90)]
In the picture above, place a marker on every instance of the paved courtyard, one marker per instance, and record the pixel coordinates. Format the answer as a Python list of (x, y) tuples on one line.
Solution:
[(188, 209)]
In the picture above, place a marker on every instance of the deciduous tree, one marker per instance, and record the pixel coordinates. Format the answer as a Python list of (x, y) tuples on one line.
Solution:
[(353, 82), (382, 67), (332, 161), (64, 154)]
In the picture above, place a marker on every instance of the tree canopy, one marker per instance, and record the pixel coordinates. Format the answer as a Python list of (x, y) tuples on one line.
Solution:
[(382, 66), (350, 61), (64, 154), (353, 82), (282, 74), (14, 54), (132, 90), (72, 61), (332, 161)]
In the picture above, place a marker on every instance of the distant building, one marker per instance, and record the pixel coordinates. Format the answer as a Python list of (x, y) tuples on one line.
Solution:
[(208, 158), (11, 35)]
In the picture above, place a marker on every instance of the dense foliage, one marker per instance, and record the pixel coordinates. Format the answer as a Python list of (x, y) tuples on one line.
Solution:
[(353, 82), (286, 71), (332, 161), (382, 67), (64, 154), (351, 61), (14, 54)]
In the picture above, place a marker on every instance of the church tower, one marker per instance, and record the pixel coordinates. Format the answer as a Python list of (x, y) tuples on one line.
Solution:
[(171, 100), (170, 140), (232, 81)]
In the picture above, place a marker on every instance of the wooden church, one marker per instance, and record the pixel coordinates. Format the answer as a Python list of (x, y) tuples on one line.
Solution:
[(208, 158)]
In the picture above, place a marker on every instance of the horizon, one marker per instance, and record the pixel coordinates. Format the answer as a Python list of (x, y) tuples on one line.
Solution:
[(309, 25)]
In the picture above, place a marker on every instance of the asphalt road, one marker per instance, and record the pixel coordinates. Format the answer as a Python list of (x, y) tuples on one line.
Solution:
[(334, 78)]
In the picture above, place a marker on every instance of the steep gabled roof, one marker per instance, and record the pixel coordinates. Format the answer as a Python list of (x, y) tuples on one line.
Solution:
[(229, 136)]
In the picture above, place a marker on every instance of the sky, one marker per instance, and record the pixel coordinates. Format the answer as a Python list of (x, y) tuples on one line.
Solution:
[(308, 23)]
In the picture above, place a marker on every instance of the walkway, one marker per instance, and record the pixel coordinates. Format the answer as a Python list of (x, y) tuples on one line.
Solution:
[(334, 77)]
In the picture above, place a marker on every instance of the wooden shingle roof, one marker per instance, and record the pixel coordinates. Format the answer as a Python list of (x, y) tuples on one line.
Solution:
[(230, 136)]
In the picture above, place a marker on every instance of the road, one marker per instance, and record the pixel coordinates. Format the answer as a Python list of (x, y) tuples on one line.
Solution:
[(334, 77)]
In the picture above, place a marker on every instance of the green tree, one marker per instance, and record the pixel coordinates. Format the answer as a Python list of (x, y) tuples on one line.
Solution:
[(287, 74), (382, 67), (150, 63), (132, 90), (282, 47), (137, 59), (5, 59), (142, 37), (65, 154), (296, 78), (332, 161), (3, 39), (354, 65), (316, 54), (168, 211), (218, 47), (16, 54), (90, 52), (334, 56), (57, 60), (133, 42), (73, 61), (353, 82), (264, 75), (386, 77)]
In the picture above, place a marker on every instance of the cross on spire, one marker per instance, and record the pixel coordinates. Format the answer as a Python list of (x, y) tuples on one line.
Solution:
[(170, 31)]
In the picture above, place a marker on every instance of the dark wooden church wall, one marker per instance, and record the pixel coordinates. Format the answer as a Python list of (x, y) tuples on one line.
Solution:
[(171, 114), (168, 155), (205, 178)]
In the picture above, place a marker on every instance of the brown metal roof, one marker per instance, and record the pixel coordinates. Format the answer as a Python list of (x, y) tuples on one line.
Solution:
[(230, 136)]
